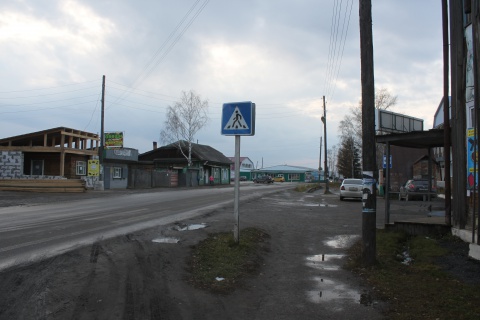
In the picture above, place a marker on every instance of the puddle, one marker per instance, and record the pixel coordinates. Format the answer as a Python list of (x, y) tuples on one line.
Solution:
[(190, 227), (437, 214), (166, 240), (311, 205), (329, 290), (341, 241), (325, 261), (328, 205), (332, 291)]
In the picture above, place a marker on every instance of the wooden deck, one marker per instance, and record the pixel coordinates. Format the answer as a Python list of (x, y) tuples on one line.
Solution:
[(46, 185)]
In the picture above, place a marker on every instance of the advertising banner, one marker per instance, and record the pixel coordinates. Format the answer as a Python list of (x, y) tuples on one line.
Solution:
[(93, 168), (114, 139), (472, 154)]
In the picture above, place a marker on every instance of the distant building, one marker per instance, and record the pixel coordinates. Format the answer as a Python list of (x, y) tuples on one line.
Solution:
[(170, 168), (290, 173), (246, 167)]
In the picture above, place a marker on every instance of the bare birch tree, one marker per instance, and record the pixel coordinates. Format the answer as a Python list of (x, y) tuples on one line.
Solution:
[(184, 120), (351, 125)]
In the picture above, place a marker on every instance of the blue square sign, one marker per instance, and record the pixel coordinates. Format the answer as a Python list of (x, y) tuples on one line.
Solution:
[(238, 119)]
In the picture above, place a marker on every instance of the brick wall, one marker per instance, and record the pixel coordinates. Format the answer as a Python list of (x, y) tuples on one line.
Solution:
[(11, 164)]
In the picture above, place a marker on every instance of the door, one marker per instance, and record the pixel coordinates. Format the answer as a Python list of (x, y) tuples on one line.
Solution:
[(106, 177), (37, 168)]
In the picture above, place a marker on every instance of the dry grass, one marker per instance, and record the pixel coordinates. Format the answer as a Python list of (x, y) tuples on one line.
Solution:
[(219, 265), (420, 289)]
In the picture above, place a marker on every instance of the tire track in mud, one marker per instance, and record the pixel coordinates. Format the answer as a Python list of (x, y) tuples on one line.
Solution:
[(27, 295), (141, 302), (97, 292)]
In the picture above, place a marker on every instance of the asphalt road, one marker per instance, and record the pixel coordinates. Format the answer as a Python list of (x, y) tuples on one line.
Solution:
[(134, 276), (50, 224)]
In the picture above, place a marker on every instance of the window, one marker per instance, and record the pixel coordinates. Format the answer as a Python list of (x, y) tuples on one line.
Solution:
[(471, 121), (81, 168), (293, 176), (117, 173)]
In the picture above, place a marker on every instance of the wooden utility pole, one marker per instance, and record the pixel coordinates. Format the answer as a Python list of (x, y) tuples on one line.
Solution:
[(102, 133), (320, 159), (458, 114), (446, 115), (325, 170), (370, 174)]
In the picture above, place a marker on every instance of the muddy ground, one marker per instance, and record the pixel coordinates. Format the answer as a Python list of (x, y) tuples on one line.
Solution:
[(144, 275)]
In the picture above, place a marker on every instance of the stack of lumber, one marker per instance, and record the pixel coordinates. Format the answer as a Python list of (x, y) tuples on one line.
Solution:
[(37, 185)]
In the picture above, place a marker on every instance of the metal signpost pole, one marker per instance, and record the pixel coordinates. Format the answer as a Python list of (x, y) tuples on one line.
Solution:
[(238, 119), (236, 227)]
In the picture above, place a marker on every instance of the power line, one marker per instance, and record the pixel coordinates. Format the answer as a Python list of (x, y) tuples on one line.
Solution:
[(336, 46), (155, 61), (48, 88)]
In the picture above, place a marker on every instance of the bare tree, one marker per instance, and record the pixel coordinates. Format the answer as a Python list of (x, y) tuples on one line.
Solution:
[(184, 120), (332, 161), (351, 125), (383, 101)]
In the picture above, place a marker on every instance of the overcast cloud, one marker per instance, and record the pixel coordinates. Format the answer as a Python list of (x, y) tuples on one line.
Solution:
[(282, 55)]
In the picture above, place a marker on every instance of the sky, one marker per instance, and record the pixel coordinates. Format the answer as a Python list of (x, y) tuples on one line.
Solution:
[(284, 56)]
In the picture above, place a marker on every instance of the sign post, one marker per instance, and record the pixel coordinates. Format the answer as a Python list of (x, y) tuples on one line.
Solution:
[(238, 119)]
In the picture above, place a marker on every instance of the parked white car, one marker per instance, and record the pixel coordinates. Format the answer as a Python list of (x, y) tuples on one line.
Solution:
[(351, 188)]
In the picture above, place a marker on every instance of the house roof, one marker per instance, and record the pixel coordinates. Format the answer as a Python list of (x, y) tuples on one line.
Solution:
[(45, 137), (242, 159), (423, 158), (199, 152)]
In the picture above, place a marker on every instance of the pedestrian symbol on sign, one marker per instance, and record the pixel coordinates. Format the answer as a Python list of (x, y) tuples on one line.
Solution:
[(236, 121)]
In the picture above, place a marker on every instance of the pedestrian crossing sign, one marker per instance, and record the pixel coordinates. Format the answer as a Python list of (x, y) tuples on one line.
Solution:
[(238, 119)]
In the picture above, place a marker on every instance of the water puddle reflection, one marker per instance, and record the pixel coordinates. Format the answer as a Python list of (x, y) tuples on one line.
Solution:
[(190, 227), (341, 241), (328, 205), (329, 290), (166, 240), (337, 293), (325, 261)]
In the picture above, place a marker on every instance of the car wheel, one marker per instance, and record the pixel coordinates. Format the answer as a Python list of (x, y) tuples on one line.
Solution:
[(341, 198)]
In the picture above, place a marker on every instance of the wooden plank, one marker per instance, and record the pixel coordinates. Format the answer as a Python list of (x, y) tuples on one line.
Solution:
[(37, 185)]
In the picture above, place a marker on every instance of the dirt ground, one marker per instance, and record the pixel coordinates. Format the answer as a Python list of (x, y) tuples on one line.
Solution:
[(143, 275)]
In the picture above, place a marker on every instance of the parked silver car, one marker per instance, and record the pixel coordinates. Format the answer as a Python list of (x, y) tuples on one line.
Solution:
[(351, 188), (417, 189)]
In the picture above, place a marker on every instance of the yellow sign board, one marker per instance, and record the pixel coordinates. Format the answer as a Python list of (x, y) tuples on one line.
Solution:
[(93, 168)]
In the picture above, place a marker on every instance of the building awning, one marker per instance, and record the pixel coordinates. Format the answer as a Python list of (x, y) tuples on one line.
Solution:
[(416, 139)]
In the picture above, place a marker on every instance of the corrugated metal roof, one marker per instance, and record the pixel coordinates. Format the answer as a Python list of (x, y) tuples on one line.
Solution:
[(286, 168)]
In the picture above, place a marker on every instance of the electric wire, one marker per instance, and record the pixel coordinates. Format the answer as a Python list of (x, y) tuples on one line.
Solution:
[(344, 36), (336, 45), (155, 61)]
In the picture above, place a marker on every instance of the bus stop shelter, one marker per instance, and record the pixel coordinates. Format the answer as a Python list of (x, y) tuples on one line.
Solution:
[(415, 139)]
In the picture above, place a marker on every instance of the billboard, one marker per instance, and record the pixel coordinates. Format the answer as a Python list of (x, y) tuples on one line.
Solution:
[(390, 122), (114, 139)]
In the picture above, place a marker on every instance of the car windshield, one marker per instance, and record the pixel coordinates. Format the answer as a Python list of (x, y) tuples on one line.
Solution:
[(353, 181)]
